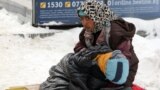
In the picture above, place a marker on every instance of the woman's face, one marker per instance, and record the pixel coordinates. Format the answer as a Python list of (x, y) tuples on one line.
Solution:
[(87, 23)]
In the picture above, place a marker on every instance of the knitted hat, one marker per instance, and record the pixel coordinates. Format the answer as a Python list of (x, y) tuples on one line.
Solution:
[(100, 13), (117, 70), (114, 65)]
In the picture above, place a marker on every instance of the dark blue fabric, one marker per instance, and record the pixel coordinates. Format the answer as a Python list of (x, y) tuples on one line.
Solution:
[(118, 72)]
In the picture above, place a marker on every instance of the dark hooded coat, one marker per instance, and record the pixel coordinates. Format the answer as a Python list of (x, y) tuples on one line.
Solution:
[(121, 35), (70, 75)]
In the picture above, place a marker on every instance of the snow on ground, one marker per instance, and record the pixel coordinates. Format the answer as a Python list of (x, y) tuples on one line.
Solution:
[(27, 61), (10, 24), (148, 52), (26, 3), (151, 26)]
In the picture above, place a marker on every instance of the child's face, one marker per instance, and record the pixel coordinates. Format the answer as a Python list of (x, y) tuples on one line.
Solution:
[(87, 23)]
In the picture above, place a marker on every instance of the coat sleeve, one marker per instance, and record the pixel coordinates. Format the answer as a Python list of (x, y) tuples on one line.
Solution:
[(133, 68), (127, 49), (79, 46)]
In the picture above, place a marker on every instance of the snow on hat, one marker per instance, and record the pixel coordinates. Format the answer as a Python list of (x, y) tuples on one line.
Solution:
[(100, 13), (117, 68)]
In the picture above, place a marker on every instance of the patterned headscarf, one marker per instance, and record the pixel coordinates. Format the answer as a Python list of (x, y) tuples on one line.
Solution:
[(100, 13)]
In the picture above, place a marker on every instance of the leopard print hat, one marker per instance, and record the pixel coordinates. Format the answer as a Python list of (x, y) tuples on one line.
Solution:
[(100, 13)]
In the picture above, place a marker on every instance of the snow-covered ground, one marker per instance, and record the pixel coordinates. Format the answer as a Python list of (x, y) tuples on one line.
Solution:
[(150, 26), (26, 3), (27, 61)]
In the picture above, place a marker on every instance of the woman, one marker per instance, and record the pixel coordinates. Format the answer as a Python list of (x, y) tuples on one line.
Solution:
[(101, 26), (103, 32)]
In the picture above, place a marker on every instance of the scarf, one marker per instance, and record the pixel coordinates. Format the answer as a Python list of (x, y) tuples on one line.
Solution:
[(100, 13)]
